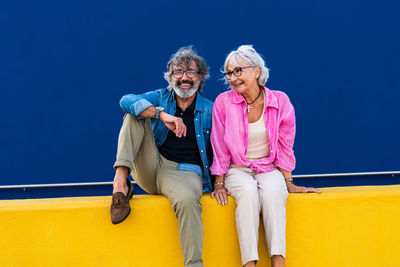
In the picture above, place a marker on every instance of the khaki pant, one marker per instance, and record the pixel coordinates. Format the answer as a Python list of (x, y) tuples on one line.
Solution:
[(157, 175), (255, 193)]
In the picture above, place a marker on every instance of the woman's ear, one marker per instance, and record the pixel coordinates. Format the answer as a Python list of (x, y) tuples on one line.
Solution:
[(258, 72)]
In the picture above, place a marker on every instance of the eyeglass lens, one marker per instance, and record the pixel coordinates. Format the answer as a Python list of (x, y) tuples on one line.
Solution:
[(189, 73), (236, 71)]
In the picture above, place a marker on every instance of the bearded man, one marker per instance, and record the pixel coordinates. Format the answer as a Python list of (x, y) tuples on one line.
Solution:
[(164, 143)]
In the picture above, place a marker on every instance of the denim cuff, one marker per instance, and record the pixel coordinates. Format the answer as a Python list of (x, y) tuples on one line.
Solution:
[(139, 106)]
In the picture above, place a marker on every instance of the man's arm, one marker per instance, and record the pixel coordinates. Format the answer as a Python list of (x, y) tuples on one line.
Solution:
[(143, 106), (173, 123), (136, 104)]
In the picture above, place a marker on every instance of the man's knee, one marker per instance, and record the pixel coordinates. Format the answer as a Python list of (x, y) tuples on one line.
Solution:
[(187, 201), (130, 120)]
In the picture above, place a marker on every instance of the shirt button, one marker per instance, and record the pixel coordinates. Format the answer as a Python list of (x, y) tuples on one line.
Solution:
[(196, 119), (208, 131), (201, 151), (206, 166), (198, 135)]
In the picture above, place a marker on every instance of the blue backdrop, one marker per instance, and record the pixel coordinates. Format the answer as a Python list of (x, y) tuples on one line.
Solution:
[(65, 64)]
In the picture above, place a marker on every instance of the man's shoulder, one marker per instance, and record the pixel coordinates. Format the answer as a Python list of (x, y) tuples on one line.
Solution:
[(162, 91), (205, 101)]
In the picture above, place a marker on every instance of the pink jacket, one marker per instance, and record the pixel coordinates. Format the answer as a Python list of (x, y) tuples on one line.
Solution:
[(229, 133)]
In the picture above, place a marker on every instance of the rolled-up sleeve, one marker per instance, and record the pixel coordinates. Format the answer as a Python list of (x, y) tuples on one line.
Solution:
[(136, 104), (285, 158), (222, 157)]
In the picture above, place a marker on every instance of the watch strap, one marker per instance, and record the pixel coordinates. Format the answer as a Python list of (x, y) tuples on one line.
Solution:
[(158, 112)]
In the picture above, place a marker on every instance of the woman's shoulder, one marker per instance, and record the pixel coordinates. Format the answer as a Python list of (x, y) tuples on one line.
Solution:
[(223, 104), (277, 93), (227, 95), (281, 97), (223, 97)]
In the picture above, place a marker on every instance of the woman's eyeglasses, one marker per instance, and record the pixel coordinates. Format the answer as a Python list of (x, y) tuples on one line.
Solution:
[(236, 71)]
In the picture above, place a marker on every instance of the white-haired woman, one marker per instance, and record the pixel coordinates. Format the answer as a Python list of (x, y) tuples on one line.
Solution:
[(253, 130)]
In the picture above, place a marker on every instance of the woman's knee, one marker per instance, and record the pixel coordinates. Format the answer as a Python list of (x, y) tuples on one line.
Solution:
[(273, 196)]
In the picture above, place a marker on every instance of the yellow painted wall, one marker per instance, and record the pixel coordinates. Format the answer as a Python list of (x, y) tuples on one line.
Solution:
[(347, 226)]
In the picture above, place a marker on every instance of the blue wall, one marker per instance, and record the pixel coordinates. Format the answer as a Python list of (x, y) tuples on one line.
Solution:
[(65, 64)]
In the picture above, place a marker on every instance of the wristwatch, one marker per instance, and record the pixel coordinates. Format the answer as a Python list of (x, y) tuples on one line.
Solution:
[(158, 111)]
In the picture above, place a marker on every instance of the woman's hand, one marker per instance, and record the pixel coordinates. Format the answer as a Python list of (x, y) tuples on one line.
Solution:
[(221, 194), (292, 188)]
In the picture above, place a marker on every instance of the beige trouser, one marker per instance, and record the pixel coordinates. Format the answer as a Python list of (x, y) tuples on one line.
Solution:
[(157, 175), (265, 192)]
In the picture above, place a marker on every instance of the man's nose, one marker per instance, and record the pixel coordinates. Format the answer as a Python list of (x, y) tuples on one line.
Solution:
[(183, 75)]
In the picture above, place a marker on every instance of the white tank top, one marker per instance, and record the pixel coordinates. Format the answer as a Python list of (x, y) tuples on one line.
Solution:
[(258, 146)]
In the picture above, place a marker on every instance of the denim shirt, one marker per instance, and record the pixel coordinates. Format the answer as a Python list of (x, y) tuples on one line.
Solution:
[(136, 104)]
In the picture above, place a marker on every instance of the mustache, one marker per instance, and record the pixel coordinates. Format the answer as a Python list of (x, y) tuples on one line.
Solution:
[(180, 82)]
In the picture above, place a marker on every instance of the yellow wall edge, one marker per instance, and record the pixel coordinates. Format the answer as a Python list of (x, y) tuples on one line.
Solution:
[(344, 226)]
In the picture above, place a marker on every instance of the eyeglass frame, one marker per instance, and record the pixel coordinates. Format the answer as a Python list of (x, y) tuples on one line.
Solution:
[(195, 73), (229, 73)]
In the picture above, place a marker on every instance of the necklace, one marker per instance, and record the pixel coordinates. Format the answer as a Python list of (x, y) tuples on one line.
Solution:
[(249, 104)]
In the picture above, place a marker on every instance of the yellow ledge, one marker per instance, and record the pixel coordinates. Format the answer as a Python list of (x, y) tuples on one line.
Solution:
[(344, 226)]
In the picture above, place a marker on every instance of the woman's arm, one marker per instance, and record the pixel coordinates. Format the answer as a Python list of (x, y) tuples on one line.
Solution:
[(285, 160), (220, 192), (222, 156), (292, 188)]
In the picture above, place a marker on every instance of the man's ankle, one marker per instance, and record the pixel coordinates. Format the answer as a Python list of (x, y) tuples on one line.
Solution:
[(119, 185)]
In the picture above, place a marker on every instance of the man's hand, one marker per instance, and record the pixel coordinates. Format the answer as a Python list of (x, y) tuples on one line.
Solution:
[(173, 123), (301, 189)]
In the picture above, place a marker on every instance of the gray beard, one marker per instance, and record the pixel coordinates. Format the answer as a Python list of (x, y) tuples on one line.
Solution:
[(186, 93)]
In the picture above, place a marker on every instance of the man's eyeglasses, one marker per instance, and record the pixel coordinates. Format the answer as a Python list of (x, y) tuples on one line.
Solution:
[(236, 71), (190, 73)]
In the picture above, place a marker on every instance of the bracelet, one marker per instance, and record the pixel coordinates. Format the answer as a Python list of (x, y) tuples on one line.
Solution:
[(289, 180), (219, 183)]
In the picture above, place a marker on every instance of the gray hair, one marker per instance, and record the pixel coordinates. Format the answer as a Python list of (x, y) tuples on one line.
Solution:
[(185, 56), (249, 55)]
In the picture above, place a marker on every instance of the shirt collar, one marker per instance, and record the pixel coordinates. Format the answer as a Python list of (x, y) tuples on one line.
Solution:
[(199, 102), (192, 106)]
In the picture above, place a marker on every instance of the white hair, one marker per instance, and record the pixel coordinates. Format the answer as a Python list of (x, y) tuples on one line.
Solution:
[(250, 56)]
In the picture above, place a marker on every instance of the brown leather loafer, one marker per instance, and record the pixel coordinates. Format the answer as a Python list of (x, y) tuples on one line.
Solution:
[(120, 208)]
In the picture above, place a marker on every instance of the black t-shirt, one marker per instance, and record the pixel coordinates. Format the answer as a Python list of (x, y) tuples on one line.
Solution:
[(184, 149)]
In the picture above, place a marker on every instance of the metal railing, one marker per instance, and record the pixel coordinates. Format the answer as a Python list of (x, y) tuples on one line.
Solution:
[(302, 176)]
